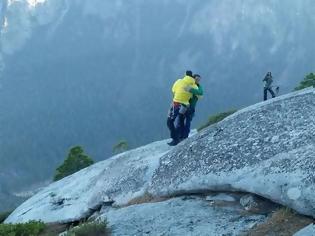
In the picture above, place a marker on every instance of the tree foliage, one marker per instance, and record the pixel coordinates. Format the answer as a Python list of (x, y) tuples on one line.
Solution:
[(75, 161), (216, 118), (95, 228), (308, 81), (22, 229), (121, 146)]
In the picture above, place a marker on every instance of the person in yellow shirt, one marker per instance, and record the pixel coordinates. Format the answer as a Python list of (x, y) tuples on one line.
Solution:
[(176, 115)]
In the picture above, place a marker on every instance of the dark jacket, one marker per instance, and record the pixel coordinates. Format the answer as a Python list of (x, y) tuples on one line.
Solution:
[(268, 81)]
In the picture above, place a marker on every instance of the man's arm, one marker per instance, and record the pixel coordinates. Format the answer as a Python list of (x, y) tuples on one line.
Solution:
[(196, 91)]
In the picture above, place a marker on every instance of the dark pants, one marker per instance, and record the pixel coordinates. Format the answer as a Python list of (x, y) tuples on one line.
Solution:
[(188, 118), (270, 91), (176, 121)]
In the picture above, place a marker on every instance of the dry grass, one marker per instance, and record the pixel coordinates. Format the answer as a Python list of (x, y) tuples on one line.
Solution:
[(145, 198), (283, 222)]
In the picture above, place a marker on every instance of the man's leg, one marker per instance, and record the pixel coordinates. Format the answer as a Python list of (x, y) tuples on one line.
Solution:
[(265, 94), (173, 114), (272, 92), (180, 124), (189, 116), (171, 127)]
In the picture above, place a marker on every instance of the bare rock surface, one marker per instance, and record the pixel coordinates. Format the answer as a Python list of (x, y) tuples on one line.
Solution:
[(307, 231), (267, 149), (179, 216)]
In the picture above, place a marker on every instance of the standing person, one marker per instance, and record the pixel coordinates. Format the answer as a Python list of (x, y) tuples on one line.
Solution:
[(268, 81), (176, 115), (190, 113)]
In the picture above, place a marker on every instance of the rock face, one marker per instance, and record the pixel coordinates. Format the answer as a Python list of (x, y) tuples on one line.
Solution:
[(307, 231), (116, 180), (266, 149), (179, 216)]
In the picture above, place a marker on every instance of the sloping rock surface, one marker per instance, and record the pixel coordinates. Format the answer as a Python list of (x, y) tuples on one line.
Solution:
[(267, 149), (116, 180)]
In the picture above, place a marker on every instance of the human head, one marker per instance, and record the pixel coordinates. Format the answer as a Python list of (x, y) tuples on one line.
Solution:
[(197, 78), (189, 73)]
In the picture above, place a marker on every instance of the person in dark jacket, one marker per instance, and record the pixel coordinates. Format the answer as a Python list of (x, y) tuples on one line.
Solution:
[(268, 81), (190, 113)]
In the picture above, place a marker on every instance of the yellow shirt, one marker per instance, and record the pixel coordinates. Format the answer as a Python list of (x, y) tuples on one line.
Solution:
[(178, 89)]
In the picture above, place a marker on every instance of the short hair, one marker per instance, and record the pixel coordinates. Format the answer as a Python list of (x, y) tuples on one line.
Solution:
[(189, 73)]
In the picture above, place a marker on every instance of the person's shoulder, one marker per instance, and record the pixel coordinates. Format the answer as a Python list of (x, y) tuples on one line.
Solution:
[(176, 81), (195, 86)]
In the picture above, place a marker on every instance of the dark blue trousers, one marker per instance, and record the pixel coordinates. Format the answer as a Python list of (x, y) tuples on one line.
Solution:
[(188, 118), (270, 91)]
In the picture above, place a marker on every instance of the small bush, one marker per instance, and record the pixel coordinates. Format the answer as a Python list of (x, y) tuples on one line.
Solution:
[(95, 228), (216, 118), (283, 213), (75, 161), (121, 146), (4, 215), (25, 229), (308, 81)]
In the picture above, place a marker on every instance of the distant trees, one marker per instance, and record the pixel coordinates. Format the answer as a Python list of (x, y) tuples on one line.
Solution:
[(308, 81), (28, 228), (216, 118), (75, 161), (121, 146)]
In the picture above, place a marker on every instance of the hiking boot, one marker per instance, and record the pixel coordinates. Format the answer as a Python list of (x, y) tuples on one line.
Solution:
[(182, 138), (173, 142)]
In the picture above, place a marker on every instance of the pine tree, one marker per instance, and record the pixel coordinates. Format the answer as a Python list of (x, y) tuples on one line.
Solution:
[(308, 81), (75, 161), (121, 146)]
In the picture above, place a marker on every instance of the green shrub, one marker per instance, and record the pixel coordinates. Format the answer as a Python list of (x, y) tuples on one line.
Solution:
[(121, 146), (32, 228), (308, 81), (96, 228), (216, 118), (75, 161), (4, 215)]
